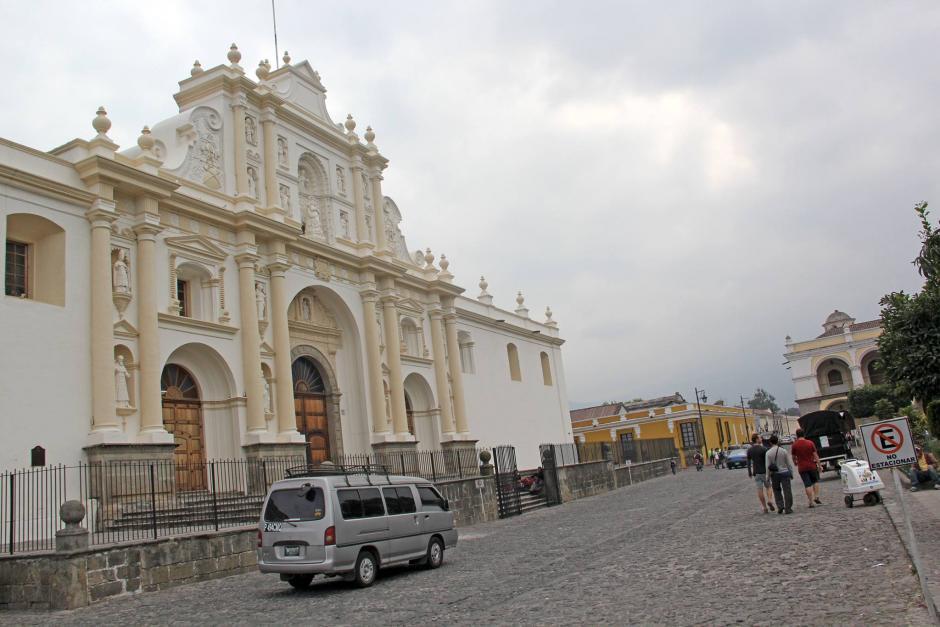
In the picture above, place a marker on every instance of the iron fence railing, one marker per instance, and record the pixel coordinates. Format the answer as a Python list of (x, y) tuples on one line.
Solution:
[(128, 501), (634, 452)]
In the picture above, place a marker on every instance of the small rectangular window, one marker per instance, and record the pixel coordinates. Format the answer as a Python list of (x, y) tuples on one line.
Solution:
[(391, 501), (182, 295), (16, 275), (295, 504), (350, 506), (407, 500), (371, 502), (431, 500)]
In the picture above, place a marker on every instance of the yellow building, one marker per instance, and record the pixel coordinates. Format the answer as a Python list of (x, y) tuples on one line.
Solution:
[(660, 427)]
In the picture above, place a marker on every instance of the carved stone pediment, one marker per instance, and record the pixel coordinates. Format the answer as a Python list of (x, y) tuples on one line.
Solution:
[(411, 306), (123, 328), (198, 247)]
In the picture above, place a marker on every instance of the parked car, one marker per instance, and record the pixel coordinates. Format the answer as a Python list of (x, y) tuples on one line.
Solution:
[(350, 522), (736, 459)]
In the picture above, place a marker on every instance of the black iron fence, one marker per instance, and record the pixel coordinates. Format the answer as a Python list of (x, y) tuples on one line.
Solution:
[(621, 453), (128, 501)]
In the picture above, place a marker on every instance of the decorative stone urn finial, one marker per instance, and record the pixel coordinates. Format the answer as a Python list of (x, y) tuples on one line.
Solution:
[(370, 135), (234, 56), (521, 310), (444, 274), (548, 318), (262, 71), (483, 285), (286, 58), (197, 68), (101, 123), (429, 259), (484, 297), (146, 140), (350, 123)]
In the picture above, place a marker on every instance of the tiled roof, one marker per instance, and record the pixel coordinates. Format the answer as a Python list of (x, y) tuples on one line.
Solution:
[(612, 409), (858, 326)]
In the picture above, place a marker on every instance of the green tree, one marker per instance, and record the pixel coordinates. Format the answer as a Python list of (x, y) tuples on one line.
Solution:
[(884, 409), (762, 399), (862, 399), (910, 342)]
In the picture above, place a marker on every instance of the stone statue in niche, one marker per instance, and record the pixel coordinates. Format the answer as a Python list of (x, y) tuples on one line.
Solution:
[(341, 180), (366, 192), (268, 409), (121, 377), (203, 163), (285, 198), (120, 275), (282, 151), (252, 182), (313, 219), (344, 223), (369, 226), (305, 309), (261, 300), (251, 131)]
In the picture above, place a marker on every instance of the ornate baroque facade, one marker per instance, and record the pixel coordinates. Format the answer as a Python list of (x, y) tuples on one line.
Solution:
[(238, 284)]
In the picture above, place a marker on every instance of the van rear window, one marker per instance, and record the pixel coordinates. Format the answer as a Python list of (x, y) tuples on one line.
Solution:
[(294, 504)]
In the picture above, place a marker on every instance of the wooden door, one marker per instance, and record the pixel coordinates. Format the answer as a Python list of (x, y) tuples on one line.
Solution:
[(310, 412), (184, 420)]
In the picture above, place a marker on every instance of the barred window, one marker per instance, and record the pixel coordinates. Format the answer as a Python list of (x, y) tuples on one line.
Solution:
[(17, 257), (689, 434)]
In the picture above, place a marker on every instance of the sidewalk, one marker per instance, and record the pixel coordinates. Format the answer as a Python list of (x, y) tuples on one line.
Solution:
[(924, 509)]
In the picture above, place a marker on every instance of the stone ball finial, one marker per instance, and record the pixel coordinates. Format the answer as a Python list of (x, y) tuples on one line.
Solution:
[(350, 123), (286, 58), (101, 123), (262, 71), (428, 258), (483, 284), (72, 512), (485, 456), (520, 299), (197, 68), (234, 56), (146, 140), (370, 134)]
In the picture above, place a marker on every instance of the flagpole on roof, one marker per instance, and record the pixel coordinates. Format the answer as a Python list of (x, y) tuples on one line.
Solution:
[(277, 57)]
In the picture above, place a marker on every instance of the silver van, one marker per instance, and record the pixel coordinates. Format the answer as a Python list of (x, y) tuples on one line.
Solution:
[(351, 521)]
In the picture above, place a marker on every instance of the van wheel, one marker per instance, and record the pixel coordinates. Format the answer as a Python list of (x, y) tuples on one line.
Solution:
[(366, 569), (300, 582), (435, 555)]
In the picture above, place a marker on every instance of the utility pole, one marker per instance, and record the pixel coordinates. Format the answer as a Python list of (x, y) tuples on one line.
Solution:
[(744, 414), (701, 424)]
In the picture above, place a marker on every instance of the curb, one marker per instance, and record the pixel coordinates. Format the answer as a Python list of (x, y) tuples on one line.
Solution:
[(898, 524)]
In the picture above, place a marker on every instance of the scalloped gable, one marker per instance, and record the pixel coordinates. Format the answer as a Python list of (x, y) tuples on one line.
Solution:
[(299, 84)]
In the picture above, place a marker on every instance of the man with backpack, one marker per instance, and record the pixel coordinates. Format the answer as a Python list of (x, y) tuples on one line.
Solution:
[(757, 468), (780, 468)]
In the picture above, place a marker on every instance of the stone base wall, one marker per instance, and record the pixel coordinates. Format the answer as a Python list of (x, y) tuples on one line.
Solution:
[(67, 581), (470, 503), (581, 480)]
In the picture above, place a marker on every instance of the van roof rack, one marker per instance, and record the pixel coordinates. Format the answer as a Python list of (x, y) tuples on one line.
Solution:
[(321, 470)]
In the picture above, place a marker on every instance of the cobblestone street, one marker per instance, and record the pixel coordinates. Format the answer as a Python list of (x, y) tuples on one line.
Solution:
[(691, 549)]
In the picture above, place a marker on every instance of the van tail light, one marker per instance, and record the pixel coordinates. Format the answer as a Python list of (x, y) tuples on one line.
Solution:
[(329, 536), (259, 538)]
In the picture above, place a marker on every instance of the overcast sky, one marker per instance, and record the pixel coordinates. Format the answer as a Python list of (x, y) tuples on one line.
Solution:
[(685, 183)]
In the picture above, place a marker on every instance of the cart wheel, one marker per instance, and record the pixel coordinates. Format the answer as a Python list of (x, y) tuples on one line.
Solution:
[(877, 497), (870, 499), (848, 501)]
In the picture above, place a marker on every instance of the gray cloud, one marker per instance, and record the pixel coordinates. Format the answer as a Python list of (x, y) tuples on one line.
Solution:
[(684, 185)]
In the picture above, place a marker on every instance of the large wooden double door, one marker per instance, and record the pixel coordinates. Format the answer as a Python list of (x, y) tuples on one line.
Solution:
[(310, 409), (182, 416)]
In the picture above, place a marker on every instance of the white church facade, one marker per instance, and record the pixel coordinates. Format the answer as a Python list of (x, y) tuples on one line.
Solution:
[(237, 285)]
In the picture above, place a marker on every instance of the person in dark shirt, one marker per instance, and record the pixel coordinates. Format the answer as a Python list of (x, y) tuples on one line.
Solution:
[(757, 468)]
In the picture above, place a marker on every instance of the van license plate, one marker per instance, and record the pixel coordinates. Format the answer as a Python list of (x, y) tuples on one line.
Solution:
[(272, 526), (291, 551)]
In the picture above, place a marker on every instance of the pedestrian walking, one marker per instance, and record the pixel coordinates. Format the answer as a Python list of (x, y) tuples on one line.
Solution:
[(672, 465), (715, 458), (757, 468), (807, 464), (780, 467)]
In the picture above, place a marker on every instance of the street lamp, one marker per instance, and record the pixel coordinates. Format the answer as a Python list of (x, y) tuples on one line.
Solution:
[(744, 414), (701, 425)]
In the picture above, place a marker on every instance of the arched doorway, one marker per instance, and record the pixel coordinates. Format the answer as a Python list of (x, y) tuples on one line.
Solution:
[(310, 408), (182, 416)]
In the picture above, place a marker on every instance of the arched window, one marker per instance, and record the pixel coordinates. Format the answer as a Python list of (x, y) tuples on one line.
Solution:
[(513, 354), (307, 378), (467, 364), (546, 369), (876, 374), (834, 377), (177, 384), (409, 334), (35, 259)]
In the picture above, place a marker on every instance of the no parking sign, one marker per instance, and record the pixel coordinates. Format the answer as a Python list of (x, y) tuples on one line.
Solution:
[(889, 443)]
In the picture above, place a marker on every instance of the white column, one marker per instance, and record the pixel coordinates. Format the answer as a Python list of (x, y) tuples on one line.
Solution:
[(378, 204), (272, 196), (440, 372), (374, 357), (456, 375), (251, 342), (284, 388), (241, 163), (362, 231), (103, 412), (393, 361)]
